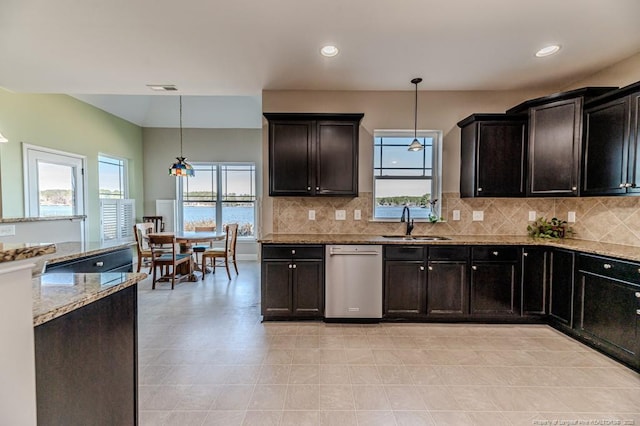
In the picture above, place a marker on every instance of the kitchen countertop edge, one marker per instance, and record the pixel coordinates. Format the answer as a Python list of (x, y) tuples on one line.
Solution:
[(631, 253), (56, 304)]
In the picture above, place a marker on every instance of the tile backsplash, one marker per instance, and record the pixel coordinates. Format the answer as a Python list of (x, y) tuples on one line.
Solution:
[(604, 219)]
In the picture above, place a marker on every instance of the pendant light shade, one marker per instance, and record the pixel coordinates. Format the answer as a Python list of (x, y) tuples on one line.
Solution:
[(181, 167), (415, 145)]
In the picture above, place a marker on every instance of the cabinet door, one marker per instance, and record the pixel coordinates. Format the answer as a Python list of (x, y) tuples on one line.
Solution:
[(534, 281), (554, 148), (336, 158), (447, 288), (605, 148), (561, 287), (633, 174), (404, 288), (500, 160), (493, 289), (607, 314), (290, 152), (276, 288), (308, 288)]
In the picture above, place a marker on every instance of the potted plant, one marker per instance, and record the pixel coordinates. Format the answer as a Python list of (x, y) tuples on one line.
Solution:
[(554, 228)]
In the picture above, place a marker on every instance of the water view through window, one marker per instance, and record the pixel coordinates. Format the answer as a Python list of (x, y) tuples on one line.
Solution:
[(219, 194)]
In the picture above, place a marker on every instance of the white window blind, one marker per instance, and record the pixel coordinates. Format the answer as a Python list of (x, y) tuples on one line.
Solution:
[(117, 218)]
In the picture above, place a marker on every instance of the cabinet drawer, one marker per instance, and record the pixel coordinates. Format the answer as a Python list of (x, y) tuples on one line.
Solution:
[(448, 253), (611, 268), (120, 259), (404, 252), (286, 251), (495, 253)]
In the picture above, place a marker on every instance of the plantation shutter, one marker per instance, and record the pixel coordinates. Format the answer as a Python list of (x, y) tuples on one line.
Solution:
[(117, 218)]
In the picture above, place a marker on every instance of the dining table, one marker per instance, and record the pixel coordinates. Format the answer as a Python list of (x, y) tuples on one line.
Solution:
[(186, 239)]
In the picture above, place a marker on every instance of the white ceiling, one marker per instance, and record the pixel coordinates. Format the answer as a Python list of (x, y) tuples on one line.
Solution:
[(218, 48)]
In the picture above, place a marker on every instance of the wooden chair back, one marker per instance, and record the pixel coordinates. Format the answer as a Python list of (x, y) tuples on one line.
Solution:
[(156, 221), (162, 244), (231, 238), (140, 230), (204, 229)]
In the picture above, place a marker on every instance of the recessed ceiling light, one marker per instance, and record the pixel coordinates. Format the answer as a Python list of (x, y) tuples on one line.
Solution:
[(329, 51), (548, 50), (162, 87)]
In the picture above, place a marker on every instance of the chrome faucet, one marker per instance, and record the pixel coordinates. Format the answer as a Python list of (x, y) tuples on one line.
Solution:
[(408, 219)]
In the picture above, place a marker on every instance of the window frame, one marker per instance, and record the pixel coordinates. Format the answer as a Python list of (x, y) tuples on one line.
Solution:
[(219, 199), (125, 175), (30, 155), (436, 168)]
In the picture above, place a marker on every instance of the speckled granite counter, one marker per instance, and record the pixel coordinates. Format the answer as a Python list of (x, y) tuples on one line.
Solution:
[(57, 294), (74, 250), (10, 252), (40, 219), (594, 247)]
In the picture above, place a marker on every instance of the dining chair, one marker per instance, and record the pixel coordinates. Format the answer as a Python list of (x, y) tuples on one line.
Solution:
[(164, 254), (200, 248), (223, 255), (140, 230), (156, 221)]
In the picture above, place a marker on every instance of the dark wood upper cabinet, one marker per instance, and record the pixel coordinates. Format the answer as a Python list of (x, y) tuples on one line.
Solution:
[(493, 155), (611, 162), (555, 139), (313, 154)]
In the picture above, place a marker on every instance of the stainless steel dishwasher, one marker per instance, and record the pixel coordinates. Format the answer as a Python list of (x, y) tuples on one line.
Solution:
[(353, 288)]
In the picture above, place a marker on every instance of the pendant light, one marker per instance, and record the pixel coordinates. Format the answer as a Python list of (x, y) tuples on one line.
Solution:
[(181, 167), (416, 145)]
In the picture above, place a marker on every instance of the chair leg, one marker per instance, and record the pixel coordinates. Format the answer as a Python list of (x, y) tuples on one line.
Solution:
[(204, 265), (226, 265), (173, 277), (153, 279), (235, 265), (139, 261)]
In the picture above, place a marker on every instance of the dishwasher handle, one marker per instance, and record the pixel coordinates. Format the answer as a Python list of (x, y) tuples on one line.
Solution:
[(338, 252)]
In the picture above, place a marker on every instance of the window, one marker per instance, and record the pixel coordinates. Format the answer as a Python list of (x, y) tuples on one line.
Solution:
[(54, 182), (117, 213), (402, 177), (218, 194), (112, 177)]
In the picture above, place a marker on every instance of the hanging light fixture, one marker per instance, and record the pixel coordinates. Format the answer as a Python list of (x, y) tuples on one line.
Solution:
[(416, 145), (181, 167)]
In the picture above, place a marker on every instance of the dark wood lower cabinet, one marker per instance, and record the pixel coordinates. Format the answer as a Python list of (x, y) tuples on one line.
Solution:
[(292, 281), (607, 303), (87, 364), (404, 289), (534, 289), (561, 287), (493, 289), (447, 288)]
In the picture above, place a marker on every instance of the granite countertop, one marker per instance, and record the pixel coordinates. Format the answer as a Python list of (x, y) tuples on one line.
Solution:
[(10, 252), (605, 249), (57, 294), (74, 250), (40, 219)]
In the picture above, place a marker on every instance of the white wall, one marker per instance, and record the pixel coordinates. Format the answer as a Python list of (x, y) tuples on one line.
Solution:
[(47, 231)]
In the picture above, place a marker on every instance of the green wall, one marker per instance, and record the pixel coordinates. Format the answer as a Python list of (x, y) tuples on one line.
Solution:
[(66, 124)]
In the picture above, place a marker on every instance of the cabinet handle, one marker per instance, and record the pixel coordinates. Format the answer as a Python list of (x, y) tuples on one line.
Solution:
[(525, 254), (421, 268), (293, 252), (574, 188), (622, 185), (627, 185), (607, 266), (99, 264), (431, 268), (638, 311), (495, 253), (474, 267), (479, 189), (294, 266), (638, 294), (290, 266), (317, 188), (308, 188)]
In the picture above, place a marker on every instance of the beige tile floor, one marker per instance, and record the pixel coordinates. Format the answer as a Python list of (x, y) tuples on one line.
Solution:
[(206, 359)]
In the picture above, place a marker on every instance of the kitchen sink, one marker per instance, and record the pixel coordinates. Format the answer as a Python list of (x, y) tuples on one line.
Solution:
[(417, 237)]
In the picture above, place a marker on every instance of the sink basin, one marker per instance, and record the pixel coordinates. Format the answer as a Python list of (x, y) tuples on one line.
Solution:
[(417, 237)]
